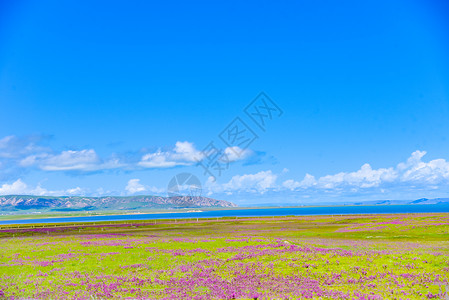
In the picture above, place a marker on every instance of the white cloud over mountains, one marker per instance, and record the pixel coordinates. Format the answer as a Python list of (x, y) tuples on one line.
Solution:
[(255, 183), (21, 154), (365, 177), (19, 187), (412, 173), (134, 186)]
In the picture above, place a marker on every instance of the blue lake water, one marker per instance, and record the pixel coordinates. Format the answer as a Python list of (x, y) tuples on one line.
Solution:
[(252, 212)]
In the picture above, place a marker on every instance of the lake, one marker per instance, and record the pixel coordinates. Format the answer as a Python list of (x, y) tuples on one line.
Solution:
[(251, 212)]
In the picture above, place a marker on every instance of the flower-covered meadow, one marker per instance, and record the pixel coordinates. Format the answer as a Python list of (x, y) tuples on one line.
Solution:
[(316, 257)]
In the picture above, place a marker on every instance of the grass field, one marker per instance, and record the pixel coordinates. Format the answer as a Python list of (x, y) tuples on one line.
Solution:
[(323, 257)]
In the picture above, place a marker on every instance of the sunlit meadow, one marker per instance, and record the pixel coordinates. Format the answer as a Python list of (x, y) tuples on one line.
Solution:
[(322, 257)]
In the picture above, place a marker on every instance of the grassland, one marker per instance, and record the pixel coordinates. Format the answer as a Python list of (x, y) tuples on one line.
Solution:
[(322, 257)]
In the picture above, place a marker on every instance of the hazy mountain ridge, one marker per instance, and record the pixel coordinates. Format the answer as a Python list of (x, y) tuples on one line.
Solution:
[(29, 202), (422, 201), (418, 201), (108, 202)]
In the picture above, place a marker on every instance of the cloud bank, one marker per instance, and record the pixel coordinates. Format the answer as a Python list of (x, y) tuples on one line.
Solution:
[(26, 153), (18, 155), (19, 187), (411, 175)]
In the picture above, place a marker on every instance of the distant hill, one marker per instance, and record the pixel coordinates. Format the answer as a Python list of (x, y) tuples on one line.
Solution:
[(430, 201), (69, 203), (422, 201), (419, 201)]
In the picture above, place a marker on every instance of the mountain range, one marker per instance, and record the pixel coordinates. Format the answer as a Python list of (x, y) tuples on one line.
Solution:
[(80, 203), (72, 203), (370, 202), (419, 201)]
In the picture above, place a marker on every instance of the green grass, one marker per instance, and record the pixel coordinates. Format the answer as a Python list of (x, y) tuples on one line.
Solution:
[(408, 260)]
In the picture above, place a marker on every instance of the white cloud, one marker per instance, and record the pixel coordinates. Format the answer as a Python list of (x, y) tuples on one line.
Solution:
[(414, 172), (365, 177), (156, 190), (291, 184), (134, 186), (417, 171), (236, 153), (20, 154), (13, 149), (19, 187), (259, 183), (159, 160), (5, 145), (308, 181), (185, 154), (412, 175), (186, 151), (70, 160), (75, 191)]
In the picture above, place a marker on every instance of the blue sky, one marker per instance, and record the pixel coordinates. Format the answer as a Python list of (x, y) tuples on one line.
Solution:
[(111, 98)]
